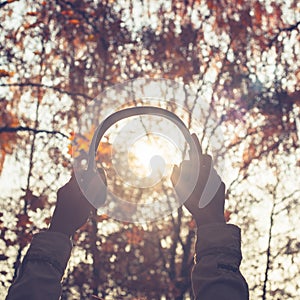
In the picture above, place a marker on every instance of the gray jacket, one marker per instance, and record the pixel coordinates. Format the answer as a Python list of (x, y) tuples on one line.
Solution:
[(215, 274)]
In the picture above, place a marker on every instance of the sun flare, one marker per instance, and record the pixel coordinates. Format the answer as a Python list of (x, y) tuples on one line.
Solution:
[(153, 155)]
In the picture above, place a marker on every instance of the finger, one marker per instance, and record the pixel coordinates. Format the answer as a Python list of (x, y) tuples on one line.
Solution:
[(211, 187), (195, 154)]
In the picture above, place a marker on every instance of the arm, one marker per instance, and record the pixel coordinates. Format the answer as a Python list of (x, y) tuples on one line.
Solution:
[(42, 269), (215, 274), (43, 266)]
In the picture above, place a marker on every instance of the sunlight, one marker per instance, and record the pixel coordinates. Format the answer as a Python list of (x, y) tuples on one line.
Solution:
[(150, 157)]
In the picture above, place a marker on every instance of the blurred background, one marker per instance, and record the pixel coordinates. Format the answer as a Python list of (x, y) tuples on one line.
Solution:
[(242, 58)]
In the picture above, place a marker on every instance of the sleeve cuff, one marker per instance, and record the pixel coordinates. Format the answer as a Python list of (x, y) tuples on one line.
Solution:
[(219, 238), (51, 247)]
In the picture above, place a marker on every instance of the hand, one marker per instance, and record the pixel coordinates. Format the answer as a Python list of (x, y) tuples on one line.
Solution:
[(72, 208), (206, 202)]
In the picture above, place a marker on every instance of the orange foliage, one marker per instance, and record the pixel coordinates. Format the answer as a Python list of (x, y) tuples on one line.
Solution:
[(67, 12), (249, 154), (4, 73), (23, 220), (7, 139), (80, 144), (227, 215), (74, 21), (32, 13), (135, 235), (33, 201)]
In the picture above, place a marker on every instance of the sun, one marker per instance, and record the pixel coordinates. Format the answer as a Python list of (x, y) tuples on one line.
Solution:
[(153, 156)]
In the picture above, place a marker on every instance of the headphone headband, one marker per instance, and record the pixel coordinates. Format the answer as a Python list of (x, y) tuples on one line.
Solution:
[(130, 112)]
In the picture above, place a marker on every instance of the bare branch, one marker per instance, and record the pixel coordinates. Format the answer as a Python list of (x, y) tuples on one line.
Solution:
[(290, 28), (2, 4), (34, 130), (39, 85)]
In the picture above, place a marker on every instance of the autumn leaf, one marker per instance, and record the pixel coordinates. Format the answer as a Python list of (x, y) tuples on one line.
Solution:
[(192, 224), (4, 73), (34, 201), (67, 12), (102, 217), (91, 37), (32, 13), (249, 153), (47, 220), (74, 21), (258, 12), (134, 236), (24, 238), (227, 215), (107, 246), (23, 220)]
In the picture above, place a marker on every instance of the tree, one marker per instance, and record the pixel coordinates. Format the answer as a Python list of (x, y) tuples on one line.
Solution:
[(240, 57)]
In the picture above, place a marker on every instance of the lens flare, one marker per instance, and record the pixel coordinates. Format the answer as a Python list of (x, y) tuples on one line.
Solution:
[(150, 157)]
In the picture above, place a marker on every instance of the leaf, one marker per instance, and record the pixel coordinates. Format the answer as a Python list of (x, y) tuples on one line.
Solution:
[(74, 21), (227, 215), (2, 159), (134, 236), (210, 4), (192, 224), (249, 154), (67, 12), (258, 11), (108, 246), (4, 73), (102, 217), (32, 13), (37, 52), (24, 238), (34, 201), (91, 37), (23, 220), (47, 220), (104, 151)]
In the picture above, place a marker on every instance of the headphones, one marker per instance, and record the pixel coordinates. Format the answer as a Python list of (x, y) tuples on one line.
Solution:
[(130, 112)]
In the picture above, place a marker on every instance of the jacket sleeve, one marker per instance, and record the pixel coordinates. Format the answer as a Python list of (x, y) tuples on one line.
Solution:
[(42, 269), (216, 273)]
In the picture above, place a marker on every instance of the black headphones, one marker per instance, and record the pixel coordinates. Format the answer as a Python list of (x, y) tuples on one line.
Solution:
[(130, 112)]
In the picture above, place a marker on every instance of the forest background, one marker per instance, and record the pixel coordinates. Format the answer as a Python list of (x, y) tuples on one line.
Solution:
[(241, 57)]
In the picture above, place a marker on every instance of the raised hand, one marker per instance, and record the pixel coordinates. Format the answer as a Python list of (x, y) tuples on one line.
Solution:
[(206, 201), (72, 208)]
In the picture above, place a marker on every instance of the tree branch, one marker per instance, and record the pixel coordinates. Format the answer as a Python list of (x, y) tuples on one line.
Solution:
[(290, 28), (34, 130), (32, 84), (6, 2)]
